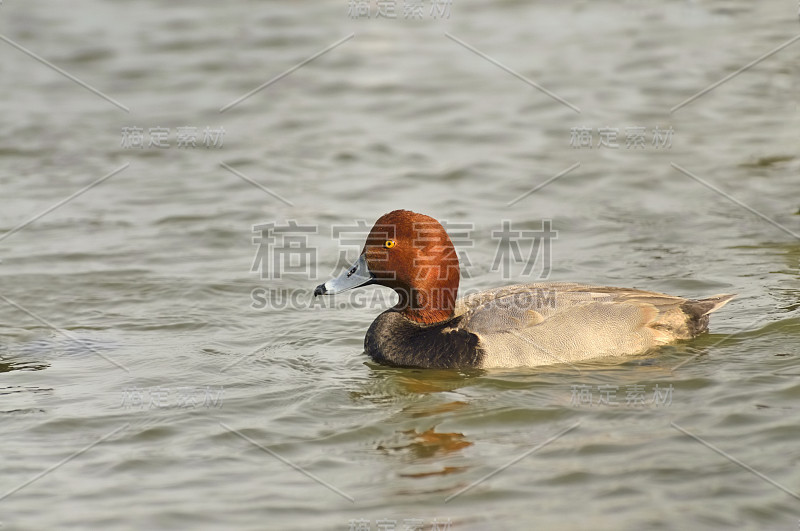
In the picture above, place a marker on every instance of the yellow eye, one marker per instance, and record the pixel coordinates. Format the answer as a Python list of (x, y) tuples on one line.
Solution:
[(389, 244)]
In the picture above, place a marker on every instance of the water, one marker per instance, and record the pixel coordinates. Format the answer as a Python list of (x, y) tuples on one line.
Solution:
[(223, 411)]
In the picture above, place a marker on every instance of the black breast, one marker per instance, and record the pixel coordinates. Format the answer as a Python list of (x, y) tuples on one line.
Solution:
[(395, 340)]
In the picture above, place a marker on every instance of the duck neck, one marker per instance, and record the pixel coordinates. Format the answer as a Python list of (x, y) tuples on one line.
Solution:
[(429, 303)]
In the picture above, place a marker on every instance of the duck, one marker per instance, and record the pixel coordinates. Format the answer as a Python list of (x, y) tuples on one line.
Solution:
[(521, 325)]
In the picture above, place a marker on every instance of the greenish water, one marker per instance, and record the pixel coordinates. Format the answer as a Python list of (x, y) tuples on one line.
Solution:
[(142, 386)]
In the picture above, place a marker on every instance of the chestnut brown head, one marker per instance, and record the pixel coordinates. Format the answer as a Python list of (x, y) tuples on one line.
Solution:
[(412, 254)]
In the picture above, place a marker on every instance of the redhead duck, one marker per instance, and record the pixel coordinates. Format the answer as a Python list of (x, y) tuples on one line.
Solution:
[(522, 325)]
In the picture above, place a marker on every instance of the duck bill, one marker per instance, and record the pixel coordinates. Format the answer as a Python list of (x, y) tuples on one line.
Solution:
[(357, 275)]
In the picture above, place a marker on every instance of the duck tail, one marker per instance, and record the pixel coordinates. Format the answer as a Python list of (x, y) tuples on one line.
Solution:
[(697, 311), (708, 305)]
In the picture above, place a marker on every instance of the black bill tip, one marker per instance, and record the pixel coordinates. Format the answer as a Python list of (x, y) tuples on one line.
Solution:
[(320, 290)]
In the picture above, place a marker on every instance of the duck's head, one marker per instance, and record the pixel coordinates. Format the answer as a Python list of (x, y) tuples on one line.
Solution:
[(412, 254)]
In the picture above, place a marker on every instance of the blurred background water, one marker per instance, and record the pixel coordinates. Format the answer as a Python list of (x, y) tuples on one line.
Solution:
[(142, 386)]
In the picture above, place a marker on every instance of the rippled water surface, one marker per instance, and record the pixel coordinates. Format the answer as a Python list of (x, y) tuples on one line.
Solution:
[(142, 387)]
